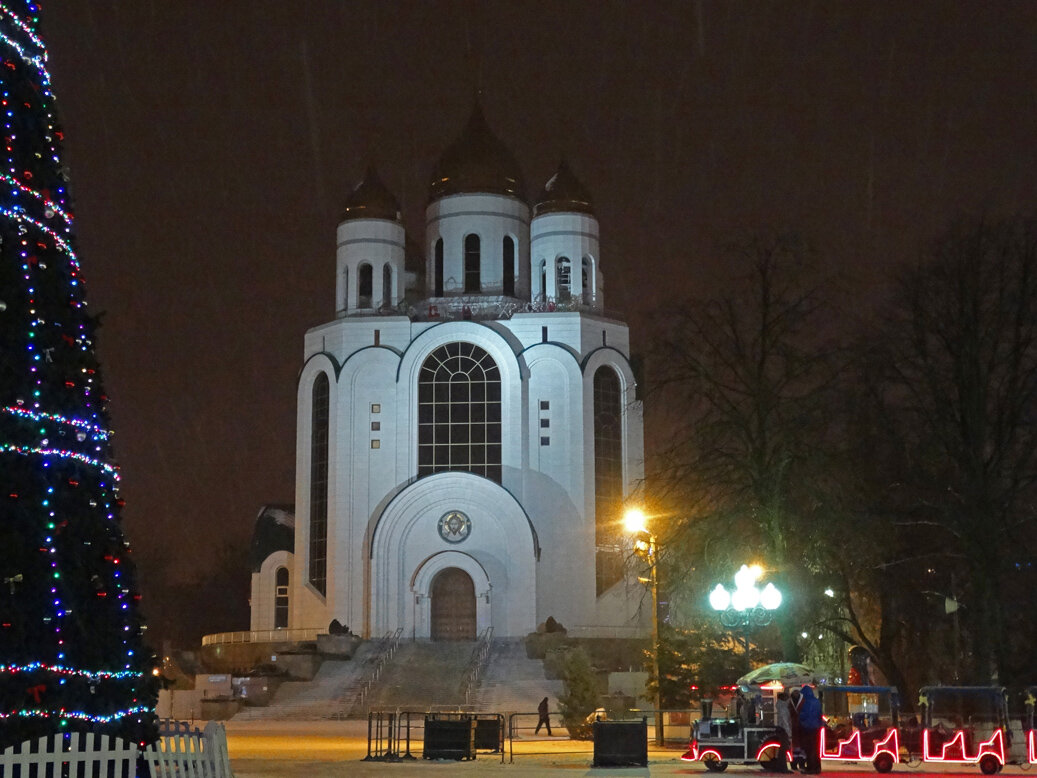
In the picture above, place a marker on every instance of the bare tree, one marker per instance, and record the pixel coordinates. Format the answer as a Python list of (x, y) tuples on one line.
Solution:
[(961, 355), (743, 375)]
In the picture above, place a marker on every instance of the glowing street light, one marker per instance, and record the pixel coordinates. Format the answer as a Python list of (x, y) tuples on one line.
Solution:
[(636, 523), (748, 605)]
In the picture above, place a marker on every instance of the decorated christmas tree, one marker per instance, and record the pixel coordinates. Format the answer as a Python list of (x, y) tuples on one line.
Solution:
[(72, 655)]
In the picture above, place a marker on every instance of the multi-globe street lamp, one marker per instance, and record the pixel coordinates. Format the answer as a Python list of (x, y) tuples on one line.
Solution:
[(748, 605), (646, 547)]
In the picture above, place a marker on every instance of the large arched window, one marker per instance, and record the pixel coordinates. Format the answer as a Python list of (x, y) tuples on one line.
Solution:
[(509, 266), (543, 279), (386, 285), (608, 476), (319, 484), (472, 262), (563, 279), (437, 281), (345, 289), (281, 598), (459, 412), (365, 286)]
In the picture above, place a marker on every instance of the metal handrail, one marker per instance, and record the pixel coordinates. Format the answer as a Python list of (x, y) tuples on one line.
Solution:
[(389, 644), (476, 664), (262, 636)]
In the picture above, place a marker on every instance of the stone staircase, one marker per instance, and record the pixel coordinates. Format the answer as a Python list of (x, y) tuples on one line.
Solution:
[(423, 676), (327, 693), (512, 683), (420, 676)]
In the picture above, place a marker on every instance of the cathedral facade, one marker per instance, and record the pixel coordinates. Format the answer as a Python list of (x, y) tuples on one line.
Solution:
[(468, 427)]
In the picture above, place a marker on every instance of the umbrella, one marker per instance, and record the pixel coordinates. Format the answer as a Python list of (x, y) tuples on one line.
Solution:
[(789, 674)]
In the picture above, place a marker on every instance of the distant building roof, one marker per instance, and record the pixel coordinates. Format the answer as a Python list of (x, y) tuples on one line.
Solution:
[(274, 531)]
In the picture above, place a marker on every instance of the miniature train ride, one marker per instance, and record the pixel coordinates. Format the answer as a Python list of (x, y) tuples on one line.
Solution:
[(957, 725)]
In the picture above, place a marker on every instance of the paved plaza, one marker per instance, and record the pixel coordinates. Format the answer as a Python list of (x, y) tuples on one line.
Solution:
[(331, 749)]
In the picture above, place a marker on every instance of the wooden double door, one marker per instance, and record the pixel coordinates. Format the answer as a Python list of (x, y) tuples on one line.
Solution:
[(453, 605)]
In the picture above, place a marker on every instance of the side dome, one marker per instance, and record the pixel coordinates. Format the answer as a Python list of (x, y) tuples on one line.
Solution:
[(563, 193), (370, 199), (477, 162)]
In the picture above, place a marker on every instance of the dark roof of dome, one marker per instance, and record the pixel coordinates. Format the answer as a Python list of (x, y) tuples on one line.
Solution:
[(370, 199), (563, 193), (477, 162)]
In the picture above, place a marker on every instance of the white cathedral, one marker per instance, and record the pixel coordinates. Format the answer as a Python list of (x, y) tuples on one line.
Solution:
[(467, 434)]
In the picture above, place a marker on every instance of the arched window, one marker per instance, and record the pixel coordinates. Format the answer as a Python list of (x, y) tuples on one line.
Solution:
[(365, 286), (319, 483), (608, 476), (386, 285), (345, 289), (459, 412), (563, 279), (586, 281), (509, 266), (281, 598), (471, 263), (437, 281), (543, 279)]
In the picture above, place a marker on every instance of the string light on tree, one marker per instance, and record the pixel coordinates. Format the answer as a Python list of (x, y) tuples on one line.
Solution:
[(71, 640)]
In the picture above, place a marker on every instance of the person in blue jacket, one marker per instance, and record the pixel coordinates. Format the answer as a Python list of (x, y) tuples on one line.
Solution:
[(810, 722)]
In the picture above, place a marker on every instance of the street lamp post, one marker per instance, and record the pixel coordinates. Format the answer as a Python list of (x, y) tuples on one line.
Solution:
[(747, 606), (637, 524)]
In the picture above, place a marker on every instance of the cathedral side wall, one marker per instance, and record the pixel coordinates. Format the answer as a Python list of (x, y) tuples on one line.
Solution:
[(364, 472)]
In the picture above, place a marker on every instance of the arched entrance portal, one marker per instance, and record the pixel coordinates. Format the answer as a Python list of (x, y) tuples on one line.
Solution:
[(453, 605)]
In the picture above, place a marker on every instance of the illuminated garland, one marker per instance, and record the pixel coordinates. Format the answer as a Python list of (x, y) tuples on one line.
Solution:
[(41, 416), (39, 196), (70, 672), (64, 454), (61, 242), (39, 713), (25, 28)]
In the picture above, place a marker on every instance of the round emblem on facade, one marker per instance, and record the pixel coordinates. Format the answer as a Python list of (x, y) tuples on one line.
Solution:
[(454, 527)]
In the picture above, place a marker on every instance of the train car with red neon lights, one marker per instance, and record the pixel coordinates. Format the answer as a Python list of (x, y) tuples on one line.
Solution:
[(963, 725), (720, 742), (861, 725)]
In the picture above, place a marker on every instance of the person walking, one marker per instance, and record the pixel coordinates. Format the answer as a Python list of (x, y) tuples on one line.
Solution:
[(810, 722), (545, 718)]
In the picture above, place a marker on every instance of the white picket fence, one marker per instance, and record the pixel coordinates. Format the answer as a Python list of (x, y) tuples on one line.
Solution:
[(180, 752)]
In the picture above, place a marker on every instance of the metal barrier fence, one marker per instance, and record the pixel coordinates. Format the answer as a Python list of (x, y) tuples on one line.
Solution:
[(392, 736), (676, 729)]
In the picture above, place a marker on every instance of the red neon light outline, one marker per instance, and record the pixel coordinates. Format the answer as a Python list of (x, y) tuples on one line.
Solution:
[(997, 741), (1031, 756), (695, 755), (842, 753), (765, 746)]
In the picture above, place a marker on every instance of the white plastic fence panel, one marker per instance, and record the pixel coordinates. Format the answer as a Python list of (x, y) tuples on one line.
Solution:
[(84, 753)]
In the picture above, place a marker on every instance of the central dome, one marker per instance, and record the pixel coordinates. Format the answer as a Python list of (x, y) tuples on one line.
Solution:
[(477, 162)]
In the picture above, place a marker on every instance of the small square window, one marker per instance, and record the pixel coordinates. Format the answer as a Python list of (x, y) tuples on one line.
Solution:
[(376, 425), (376, 444), (545, 441), (376, 408), (545, 405), (545, 423)]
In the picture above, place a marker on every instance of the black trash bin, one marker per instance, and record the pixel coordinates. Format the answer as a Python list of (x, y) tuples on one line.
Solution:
[(489, 734), (620, 743), (449, 739)]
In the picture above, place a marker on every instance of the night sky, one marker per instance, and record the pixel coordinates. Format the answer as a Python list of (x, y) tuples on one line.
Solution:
[(212, 145)]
